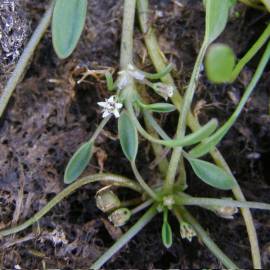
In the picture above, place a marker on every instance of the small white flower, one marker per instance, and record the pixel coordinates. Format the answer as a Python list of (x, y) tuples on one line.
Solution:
[(168, 201), (187, 231), (110, 106)]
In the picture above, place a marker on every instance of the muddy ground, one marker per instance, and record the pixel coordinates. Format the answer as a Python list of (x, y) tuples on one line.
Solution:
[(49, 116)]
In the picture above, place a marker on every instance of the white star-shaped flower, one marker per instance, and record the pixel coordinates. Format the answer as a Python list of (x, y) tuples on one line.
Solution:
[(110, 106)]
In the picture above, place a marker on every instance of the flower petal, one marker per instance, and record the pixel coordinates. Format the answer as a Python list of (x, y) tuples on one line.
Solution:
[(118, 105), (116, 113), (105, 114), (102, 104)]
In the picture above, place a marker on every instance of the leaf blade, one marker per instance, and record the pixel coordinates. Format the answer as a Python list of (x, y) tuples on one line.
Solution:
[(78, 162), (219, 63), (161, 107), (211, 174), (166, 234), (128, 136), (217, 12), (67, 25)]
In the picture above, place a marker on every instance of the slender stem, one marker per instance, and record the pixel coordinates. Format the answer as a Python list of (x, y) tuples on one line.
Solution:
[(151, 120), (126, 54), (157, 149), (159, 62), (251, 52), (181, 128), (110, 178), (220, 202), (124, 239), (238, 194), (25, 58), (141, 207), (223, 258), (158, 75), (215, 138), (143, 184), (190, 139), (182, 179), (131, 202), (100, 128)]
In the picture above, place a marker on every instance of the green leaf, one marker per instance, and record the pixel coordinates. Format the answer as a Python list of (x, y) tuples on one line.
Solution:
[(217, 12), (209, 144), (67, 25), (128, 136), (166, 234), (158, 107), (219, 63), (78, 162), (211, 174)]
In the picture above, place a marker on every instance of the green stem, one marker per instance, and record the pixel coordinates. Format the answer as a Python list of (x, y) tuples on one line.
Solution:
[(182, 179), (238, 194), (126, 54), (215, 138), (25, 58), (157, 149), (251, 53), (143, 184), (158, 75), (141, 207), (159, 62), (100, 128), (110, 178), (223, 258), (151, 120), (219, 202), (125, 238), (181, 127), (190, 139)]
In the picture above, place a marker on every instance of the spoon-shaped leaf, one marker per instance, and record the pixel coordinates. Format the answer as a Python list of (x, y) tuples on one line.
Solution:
[(211, 174), (67, 25), (166, 234), (128, 136), (217, 12), (158, 107), (78, 162), (219, 63)]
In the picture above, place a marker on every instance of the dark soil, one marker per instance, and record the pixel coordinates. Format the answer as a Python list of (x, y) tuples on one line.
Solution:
[(49, 116)]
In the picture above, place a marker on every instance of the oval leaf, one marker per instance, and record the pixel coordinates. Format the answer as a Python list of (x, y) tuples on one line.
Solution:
[(78, 162), (219, 63), (166, 234), (159, 107), (67, 25), (128, 136), (211, 174), (217, 12)]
